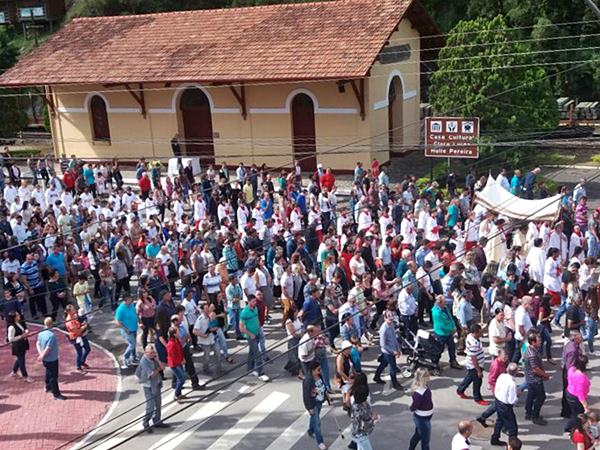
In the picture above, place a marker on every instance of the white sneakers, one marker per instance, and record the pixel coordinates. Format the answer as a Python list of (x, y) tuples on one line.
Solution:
[(264, 378), (322, 446)]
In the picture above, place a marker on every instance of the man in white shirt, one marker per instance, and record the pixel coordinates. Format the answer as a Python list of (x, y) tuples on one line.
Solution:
[(502, 180), (10, 192), (460, 441), (248, 283), (206, 339), (364, 219), (522, 326), (407, 306), (306, 347), (497, 333), (19, 229), (505, 396), (408, 230), (558, 240), (536, 260)]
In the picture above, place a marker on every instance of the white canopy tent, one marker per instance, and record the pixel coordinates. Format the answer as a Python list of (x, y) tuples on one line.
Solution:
[(495, 198)]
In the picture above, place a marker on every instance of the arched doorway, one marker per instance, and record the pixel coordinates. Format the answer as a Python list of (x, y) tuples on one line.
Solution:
[(99, 117), (197, 125), (395, 120), (303, 132)]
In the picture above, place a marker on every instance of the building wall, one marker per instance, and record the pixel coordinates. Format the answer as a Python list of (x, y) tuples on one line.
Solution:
[(381, 78), (265, 136)]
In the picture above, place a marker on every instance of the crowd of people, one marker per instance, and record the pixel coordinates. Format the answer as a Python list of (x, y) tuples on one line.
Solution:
[(194, 262)]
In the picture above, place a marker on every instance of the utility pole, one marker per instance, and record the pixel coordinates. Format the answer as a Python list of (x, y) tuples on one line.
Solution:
[(593, 7)]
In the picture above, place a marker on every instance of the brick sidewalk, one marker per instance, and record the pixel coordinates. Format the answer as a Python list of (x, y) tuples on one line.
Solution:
[(31, 418)]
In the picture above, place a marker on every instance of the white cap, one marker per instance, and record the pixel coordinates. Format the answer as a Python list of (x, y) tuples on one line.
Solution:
[(346, 344)]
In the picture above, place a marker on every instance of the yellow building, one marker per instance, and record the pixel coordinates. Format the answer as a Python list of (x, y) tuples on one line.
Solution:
[(330, 82)]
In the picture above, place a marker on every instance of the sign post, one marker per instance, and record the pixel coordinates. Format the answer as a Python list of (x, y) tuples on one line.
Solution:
[(452, 137)]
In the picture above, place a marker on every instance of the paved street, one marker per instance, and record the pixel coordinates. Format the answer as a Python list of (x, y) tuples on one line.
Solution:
[(32, 419), (249, 414)]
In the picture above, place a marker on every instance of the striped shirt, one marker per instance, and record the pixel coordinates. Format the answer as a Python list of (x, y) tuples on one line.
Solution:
[(474, 349), (212, 283), (31, 271)]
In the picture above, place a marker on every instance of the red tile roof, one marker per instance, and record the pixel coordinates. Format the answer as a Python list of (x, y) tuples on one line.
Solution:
[(321, 40)]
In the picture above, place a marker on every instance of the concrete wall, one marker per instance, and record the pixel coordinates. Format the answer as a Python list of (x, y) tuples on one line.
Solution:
[(265, 136)]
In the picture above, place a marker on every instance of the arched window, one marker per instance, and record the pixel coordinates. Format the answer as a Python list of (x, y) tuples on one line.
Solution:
[(99, 117)]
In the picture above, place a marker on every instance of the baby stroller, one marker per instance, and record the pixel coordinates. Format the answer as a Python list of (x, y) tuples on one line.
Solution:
[(425, 351)]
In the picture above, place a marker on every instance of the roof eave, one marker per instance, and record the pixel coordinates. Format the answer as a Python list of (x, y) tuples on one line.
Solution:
[(219, 81)]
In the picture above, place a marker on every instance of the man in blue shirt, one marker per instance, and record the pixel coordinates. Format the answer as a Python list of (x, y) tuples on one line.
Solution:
[(311, 309), (390, 350), (56, 260), (47, 347), (127, 319), (152, 248), (32, 280), (529, 182)]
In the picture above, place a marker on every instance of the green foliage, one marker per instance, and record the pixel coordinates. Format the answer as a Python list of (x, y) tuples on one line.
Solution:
[(530, 20), (12, 118), (83, 8), (472, 80)]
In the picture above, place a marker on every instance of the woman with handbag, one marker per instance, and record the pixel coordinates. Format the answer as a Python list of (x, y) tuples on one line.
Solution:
[(17, 336)]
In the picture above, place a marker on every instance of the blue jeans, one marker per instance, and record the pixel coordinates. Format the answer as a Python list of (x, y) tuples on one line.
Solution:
[(255, 361), (130, 354), (422, 432), (449, 341), (321, 357), (82, 350), (490, 411), (387, 360), (536, 396), (222, 342), (20, 364), (546, 341), (52, 377), (180, 379), (314, 423), (561, 309), (517, 352), (505, 418), (471, 377), (262, 344), (592, 245), (362, 442), (153, 406), (233, 316), (589, 332)]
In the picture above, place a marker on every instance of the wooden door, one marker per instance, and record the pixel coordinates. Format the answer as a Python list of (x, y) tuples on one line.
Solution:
[(197, 125), (303, 132), (395, 119)]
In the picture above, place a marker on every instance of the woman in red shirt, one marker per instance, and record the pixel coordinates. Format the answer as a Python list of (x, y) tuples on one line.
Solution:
[(579, 436), (175, 360)]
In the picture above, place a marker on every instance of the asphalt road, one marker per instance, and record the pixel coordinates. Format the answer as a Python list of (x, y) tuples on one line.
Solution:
[(253, 415)]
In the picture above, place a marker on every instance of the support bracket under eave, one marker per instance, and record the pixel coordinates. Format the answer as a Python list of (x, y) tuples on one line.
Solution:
[(241, 98), (359, 93), (48, 100), (138, 97)]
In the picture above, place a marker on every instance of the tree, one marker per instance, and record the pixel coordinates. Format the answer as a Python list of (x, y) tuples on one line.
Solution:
[(579, 32), (12, 117), (473, 80)]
